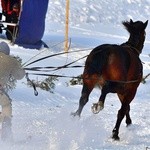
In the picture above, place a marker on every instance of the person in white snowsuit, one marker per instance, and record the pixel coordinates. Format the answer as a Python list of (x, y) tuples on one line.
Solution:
[(9, 67)]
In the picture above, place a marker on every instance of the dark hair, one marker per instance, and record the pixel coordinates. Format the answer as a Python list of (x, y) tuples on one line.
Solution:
[(16, 6)]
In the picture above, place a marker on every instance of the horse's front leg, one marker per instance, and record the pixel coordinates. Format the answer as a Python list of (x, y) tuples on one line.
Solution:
[(121, 113)]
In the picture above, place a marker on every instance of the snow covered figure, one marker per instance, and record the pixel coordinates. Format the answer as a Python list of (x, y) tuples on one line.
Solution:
[(9, 67)]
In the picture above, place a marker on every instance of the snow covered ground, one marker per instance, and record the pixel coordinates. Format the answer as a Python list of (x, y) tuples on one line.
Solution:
[(43, 122)]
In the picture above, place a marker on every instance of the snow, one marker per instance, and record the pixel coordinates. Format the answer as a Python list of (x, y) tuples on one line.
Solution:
[(43, 122)]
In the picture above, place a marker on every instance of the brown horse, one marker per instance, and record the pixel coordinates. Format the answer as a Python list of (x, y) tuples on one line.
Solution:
[(117, 69)]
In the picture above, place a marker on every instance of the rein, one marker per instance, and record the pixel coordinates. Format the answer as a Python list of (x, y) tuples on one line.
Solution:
[(124, 82), (135, 50), (57, 68), (25, 65), (77, 77), (51, 67), (72, 77)]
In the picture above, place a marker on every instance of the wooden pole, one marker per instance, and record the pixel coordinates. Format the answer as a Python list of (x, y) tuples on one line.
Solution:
[(67, 25)]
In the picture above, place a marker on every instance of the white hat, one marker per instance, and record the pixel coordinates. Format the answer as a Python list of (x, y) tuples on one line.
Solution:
[(4, 48)]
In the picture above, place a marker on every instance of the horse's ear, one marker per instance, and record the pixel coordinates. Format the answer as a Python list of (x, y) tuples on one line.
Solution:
[(145, 24), (131, 22)]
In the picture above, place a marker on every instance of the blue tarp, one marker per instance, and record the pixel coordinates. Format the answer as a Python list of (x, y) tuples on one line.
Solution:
[(32, 23)]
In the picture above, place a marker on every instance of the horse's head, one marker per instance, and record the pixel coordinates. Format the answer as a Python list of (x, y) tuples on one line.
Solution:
[(137, 33)]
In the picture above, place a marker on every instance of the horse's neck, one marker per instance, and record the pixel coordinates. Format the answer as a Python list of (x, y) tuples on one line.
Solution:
[(136, 51), (135, 42)]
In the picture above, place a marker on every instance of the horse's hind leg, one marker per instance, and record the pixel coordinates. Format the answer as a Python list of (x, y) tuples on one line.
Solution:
[(97, 107), (124, 111), (128, 119), (109, 86), (121, 113), (86, 90)]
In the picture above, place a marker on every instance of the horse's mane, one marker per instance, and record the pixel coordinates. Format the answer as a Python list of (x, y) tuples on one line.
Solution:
[(127, 26)]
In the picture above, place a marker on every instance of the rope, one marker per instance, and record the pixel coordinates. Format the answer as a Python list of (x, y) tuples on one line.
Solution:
[(77, 77), (50, 67), (54, 75), (56, 68), (25, 65), (132, 48), (41, 52)]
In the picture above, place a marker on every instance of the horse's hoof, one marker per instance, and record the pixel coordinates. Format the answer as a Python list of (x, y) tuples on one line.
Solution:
[(128, 125), (129, 122), (74, 114), (116, 137), (97, 107)]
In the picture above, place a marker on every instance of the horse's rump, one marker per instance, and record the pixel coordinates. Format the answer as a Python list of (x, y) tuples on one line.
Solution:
[(113, 62)]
